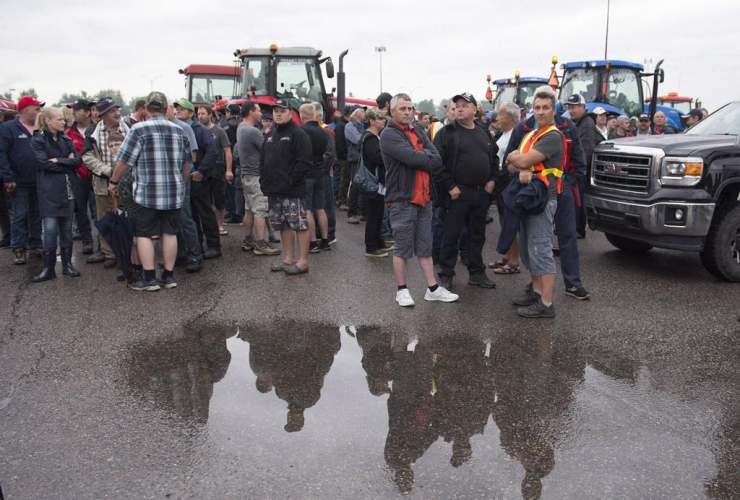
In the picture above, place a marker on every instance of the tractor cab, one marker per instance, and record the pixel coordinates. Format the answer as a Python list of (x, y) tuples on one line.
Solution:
[(519, 90), (290, 73), (206, 83), (613, 85)]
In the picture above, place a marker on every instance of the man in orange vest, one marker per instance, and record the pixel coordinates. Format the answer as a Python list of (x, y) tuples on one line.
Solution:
[(539, 159)]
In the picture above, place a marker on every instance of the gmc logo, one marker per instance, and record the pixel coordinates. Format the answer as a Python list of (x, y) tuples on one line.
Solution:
[(616, 168)]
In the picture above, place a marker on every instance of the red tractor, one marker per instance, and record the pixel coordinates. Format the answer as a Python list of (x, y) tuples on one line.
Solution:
[(206, 83)]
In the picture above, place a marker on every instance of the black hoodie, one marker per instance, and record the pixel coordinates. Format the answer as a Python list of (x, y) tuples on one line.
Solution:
[(286, 159)]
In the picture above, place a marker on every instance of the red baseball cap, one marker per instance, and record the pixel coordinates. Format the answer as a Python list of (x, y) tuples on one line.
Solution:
[(27, 101)]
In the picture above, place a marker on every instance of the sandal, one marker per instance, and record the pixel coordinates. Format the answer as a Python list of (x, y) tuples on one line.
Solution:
[(498, 264), (507, 269)]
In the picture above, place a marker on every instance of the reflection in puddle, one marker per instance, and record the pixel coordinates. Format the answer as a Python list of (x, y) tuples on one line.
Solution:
[(439, 413)]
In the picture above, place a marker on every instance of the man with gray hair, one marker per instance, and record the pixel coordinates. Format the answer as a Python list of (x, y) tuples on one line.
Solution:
[(622, 130), (353, 133), (315, 195), (411, 160)]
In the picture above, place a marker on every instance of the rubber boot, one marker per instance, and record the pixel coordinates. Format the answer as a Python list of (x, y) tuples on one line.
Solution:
[(67, 268), (50, 260)]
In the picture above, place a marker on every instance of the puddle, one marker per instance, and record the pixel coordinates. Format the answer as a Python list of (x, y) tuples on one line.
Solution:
[(355, 412)]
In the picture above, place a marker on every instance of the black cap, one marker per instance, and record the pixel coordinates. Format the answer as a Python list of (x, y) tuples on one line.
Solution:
[(355, 107), (466, 96), (267, 116), (281, 103), (576, 99), (383, 99), (644, 117), (233, 108), (347, 110), (694, 112), (80, 104)]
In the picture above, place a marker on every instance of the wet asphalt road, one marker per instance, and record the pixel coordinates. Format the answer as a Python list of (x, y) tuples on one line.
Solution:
[(245, 384)]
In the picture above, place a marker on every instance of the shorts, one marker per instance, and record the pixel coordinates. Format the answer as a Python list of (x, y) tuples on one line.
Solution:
[(217, 187), (288, 213), (315, 192), (412, 229), (535, 241), (150, 222), (254, 200)]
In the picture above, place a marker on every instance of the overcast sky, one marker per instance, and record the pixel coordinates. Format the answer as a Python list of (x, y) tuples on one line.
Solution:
[(435, 48)]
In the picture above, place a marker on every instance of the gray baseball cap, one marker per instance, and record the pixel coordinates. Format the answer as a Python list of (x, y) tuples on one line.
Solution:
[(156, 100)]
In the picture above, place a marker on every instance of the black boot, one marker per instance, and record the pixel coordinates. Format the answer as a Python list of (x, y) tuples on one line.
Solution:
[(67, 268), (50, 260)]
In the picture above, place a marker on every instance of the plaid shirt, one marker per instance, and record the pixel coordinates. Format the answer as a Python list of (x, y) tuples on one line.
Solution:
[(157, 149), (105, 155)]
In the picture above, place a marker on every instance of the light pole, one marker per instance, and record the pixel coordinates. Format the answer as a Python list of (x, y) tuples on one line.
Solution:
[(606, 43), (380, 51), (151, 81)]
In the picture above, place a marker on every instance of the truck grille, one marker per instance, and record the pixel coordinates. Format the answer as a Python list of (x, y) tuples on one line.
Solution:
[(622, 172)]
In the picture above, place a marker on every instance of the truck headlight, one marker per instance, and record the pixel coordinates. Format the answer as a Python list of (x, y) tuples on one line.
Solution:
[(681, 171)]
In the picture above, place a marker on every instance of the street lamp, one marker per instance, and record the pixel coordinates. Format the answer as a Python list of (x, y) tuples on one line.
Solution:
[(151, 81), (380, 51)]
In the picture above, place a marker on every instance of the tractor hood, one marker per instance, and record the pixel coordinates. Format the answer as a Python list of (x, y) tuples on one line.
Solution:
[(680, 144)]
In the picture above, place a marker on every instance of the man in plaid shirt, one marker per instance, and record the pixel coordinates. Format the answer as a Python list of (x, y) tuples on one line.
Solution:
[(160, 154)]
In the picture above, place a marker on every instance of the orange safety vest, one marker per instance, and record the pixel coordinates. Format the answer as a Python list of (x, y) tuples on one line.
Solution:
[(541, 171)]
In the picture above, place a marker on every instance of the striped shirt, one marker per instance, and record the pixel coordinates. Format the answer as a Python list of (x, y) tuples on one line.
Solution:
[(157, 149)]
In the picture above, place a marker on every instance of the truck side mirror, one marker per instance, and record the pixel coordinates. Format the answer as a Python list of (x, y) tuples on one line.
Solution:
[(329, 69)]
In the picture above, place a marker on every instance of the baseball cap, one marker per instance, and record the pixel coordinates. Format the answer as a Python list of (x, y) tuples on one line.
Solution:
[(355, 107), (347, 110), (467, 96), (80, 104), (27, 101), (233, 108), (383, 99), (694, 112), (105, 104), (576, 99), (184, 103), (644, 116), (267, 116), (281, 103), (599, 111), (156, 101)]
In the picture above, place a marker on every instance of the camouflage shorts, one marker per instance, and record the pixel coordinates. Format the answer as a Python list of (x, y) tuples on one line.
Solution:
[(288, 213)]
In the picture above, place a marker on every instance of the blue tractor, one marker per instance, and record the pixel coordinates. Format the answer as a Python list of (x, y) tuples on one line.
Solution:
[(519, 90), (615, 86)]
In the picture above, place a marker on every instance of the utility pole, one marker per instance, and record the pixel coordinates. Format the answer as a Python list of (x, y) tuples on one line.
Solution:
[(380, 51), (606, 43)]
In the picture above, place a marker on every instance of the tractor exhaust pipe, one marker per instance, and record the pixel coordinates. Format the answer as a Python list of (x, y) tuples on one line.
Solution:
[(341, 85), (658, 77)]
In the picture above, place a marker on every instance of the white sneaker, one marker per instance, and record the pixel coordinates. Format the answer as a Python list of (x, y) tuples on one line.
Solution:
[(440, 295), (403, 297)]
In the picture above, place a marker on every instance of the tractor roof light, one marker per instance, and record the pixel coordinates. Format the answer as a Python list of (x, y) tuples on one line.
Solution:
[(273, 48), (181, 71), (488, 78), (516, 74), (593, 64), (584, 65), (554, 60)]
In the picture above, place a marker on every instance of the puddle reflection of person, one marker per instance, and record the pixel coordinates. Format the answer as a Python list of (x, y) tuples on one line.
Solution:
[(293, 359), (377, 356), (178, 372), (534, 388)]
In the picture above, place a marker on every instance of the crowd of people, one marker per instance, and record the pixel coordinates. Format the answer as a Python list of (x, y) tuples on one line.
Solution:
[(424, 187)]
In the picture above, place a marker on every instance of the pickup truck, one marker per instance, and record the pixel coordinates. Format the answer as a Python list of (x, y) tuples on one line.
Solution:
[(680, 192)]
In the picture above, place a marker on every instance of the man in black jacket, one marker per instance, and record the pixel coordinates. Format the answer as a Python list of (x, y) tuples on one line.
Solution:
[(232, 119), (471, 166), (315, 192), (285, 162), (200, 194), (587, 134)]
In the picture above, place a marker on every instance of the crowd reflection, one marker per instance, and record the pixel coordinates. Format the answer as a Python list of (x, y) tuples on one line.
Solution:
[(448, 388)]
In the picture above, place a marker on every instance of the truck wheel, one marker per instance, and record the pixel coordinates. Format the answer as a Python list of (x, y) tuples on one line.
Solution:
[(628, 245), (721, 255)]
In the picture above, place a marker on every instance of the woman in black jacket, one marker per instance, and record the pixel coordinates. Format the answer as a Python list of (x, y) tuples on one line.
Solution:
[(56, 158), (370, 150)]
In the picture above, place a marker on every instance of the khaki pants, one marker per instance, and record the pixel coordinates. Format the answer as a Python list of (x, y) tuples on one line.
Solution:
[(104, 205)]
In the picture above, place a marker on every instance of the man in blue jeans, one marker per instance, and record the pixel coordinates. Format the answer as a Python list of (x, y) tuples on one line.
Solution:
[(18, 171)]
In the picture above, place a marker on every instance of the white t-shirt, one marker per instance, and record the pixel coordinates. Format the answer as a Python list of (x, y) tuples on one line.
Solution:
[(502, 144)]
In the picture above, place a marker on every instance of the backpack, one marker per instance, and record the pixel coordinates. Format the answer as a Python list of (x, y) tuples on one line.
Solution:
[(366, 181)]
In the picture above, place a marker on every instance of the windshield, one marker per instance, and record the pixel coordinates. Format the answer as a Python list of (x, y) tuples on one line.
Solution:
[(205, 88), (682, 107), (724, 121), (255, 76), (299, 81), (526, 95), (579, 81), (623, 90)]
